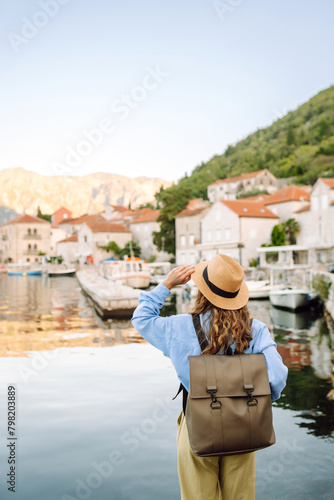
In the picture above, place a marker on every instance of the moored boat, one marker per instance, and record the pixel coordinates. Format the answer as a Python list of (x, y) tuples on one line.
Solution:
[(53, 273), (23, 270), (258, 289), (290, 298), (132, 272)]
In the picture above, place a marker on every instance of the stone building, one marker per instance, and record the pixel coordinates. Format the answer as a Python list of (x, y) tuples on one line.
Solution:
[(228, 189), (235, 228), (68, 249), (287, 201), (23, 238), (317, 223), (92, 236), (142, 228), (188, 231)]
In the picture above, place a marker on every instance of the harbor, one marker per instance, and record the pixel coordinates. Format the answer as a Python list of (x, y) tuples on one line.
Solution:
[(77, 371)]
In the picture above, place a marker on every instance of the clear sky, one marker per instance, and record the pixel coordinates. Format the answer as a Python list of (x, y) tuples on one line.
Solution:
[(167, 83)]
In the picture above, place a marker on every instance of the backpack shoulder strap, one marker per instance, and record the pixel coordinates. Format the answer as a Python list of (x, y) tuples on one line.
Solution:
[(200, 333)]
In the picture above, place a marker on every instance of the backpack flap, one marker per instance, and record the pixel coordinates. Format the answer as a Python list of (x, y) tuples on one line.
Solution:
[(229, 407)]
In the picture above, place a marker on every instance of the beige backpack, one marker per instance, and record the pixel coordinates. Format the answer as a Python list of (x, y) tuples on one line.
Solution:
[(229, 409)]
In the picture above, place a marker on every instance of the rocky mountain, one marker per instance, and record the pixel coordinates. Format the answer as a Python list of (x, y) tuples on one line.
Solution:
[(7, 214), (23, 191)]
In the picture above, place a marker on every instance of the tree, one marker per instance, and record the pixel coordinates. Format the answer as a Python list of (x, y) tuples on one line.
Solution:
[(173, 201), (112, 247), (43, 216), (130, 247), (290, 136), (278, 236), (291, 228)]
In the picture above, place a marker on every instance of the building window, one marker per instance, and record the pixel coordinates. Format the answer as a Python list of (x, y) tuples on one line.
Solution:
[(35, 231), (29, 247), (35, 247), (65, 216), (218, 235), (29, 231), (227, 234), (28, 260), (315, 203), (183, 241), (191, 239), (192, 258), (209, 236), (85, 239), (324, 201)]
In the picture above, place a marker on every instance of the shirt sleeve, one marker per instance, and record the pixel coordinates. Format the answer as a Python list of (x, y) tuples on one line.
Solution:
[(277, 371), (146, 320)]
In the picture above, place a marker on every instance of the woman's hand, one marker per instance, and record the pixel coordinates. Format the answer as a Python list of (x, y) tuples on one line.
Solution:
[(178, 276)]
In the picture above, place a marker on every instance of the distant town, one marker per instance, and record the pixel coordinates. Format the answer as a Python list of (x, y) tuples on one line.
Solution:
[(242, 228)]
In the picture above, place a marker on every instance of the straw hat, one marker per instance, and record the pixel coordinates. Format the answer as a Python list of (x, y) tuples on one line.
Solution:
[(221, 281)]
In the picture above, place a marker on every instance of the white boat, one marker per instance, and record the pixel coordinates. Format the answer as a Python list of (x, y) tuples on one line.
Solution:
[(132, 272), (290, 298), (258, 289), (110, 299)]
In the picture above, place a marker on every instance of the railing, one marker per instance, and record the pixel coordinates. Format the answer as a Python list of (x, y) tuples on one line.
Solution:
[(32, 236)]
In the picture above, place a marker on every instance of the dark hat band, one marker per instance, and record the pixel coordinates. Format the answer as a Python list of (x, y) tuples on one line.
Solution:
[(215, 289)]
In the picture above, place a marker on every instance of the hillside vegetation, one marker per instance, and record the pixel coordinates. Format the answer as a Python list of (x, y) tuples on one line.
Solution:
[(299, 145)]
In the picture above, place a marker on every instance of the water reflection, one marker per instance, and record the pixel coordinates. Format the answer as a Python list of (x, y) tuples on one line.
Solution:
[(41, 313), (305, 344)]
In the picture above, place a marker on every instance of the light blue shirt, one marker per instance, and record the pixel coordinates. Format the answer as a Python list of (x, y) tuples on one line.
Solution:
[(175, 336)]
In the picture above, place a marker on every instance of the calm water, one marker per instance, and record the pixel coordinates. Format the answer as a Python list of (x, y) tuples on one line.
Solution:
[(95, 416)]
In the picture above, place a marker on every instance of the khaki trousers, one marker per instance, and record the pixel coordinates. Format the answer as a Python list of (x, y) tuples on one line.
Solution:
[(213, 478)]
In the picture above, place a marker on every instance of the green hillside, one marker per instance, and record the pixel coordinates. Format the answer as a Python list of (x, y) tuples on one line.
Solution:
[(299, 145)]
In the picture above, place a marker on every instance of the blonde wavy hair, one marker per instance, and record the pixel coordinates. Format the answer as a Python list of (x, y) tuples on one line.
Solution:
[(226, 326)]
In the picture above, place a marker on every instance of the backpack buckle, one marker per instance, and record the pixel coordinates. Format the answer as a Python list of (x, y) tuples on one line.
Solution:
[(251, 401), (214, 401)]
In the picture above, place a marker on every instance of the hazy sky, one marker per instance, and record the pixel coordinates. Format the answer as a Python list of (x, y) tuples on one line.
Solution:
[(152, 87)]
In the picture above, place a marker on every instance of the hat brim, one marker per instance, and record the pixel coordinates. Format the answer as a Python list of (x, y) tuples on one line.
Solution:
[(235, 303)]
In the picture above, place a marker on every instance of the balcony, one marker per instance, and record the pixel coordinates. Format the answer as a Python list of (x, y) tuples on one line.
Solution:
[(32, 236), (31, 251)]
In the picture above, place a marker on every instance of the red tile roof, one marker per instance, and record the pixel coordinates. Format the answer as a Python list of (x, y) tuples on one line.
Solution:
[(83, 218), (25, 218), (150, 216), (119, 208), (329, 182), (289, 193), (70, 239), (188, 212), (193, 203), (240, 177), (249, 209), (257, 197), (106, 227)]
